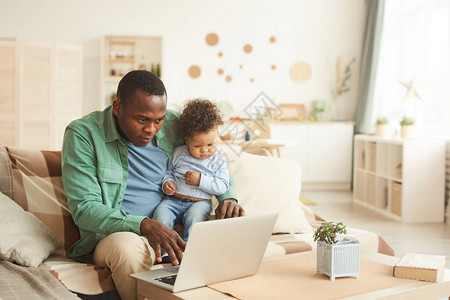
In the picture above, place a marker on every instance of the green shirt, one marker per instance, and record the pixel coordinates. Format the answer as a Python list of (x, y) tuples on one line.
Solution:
[(95, 173)]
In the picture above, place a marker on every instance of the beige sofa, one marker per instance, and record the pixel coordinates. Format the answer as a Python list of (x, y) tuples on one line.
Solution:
[(32, 179)]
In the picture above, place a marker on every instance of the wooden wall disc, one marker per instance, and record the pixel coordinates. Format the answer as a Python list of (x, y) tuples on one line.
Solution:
[(300, 71), (194, 71), (212, 39)]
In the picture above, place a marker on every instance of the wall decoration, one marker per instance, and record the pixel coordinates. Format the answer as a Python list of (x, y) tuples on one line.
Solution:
[(414, 89), (194, 71), (340, 88), (212, 39), (340, 85), (300, 72)]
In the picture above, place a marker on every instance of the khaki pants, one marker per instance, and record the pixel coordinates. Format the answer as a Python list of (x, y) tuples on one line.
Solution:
[(124, 253)]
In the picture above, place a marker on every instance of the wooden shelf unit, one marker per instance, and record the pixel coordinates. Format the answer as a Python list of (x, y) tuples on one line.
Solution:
[(402, 179), (121, 54)]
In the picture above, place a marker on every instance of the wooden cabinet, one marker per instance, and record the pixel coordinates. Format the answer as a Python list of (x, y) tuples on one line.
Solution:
[(40, 93), (121, 54), (323, 149), (403, 179)]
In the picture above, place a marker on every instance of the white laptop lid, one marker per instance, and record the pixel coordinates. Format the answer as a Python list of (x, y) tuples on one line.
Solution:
[(221, 250)]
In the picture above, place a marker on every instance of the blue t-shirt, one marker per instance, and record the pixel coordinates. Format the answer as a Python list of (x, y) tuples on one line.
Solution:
[(143, 192)]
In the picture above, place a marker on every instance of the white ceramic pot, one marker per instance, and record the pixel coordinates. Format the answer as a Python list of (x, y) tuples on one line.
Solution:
[(381, 130), (408, 131)]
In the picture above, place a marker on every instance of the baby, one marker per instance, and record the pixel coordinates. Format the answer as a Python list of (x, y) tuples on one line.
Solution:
[(196, 170)]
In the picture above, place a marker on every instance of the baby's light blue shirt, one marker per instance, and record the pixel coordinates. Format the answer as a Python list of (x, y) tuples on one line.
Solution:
[(214, 173)]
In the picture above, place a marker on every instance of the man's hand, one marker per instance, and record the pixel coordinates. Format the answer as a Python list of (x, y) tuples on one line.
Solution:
[(162, 237), (192, 178), (229, 208), (169, 187)]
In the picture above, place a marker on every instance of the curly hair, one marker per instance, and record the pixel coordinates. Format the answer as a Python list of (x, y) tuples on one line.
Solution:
[(198, 116)]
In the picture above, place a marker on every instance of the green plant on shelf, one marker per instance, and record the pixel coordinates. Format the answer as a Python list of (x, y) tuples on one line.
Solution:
[(113, 96), (382, 121), (407, 121), (327, 232)]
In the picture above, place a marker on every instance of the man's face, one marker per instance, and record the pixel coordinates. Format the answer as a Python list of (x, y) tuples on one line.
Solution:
[(141, 118)]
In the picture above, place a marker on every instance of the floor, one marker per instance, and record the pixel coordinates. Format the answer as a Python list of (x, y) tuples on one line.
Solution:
[(430, 238)]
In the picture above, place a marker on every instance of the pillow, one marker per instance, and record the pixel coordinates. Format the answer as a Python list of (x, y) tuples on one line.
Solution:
[(267, 185), (38, 189), (24, 239)]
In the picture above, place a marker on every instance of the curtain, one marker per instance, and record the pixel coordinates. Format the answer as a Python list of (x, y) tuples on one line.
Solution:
[(364, 117)]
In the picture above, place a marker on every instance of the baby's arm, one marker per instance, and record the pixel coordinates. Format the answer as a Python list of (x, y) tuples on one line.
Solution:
[(168, 183), (192, 178), (218, 182), (169, 187)]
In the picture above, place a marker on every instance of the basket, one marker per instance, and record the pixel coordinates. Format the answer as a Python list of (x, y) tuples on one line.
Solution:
[(338, 260)]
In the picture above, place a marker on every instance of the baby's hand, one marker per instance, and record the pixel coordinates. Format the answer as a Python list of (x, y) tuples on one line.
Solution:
[(192, 178), (169, 188)]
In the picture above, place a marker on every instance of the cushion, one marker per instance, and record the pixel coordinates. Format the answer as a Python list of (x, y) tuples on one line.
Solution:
[(38, 188), (24, 239), (266, 185)]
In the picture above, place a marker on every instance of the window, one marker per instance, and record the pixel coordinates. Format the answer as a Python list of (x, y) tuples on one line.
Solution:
[(415, 47)]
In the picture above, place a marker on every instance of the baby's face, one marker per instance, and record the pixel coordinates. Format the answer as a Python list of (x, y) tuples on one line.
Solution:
[(203, 145)]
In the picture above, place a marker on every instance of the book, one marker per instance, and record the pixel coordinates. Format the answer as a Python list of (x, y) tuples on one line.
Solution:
[(425, 267)]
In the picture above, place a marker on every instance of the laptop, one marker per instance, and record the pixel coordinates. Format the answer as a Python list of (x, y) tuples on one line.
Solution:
[(217, 251)]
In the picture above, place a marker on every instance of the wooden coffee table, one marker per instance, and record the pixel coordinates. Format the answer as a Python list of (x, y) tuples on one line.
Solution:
[(405, 289)]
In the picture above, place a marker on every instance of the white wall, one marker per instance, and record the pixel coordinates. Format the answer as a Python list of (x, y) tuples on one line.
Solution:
[(313, 31)]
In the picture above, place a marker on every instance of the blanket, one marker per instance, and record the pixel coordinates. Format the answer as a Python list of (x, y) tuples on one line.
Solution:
[(18, 282)]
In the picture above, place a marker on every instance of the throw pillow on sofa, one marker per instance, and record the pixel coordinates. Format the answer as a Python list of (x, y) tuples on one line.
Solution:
[(265, 185), (24, 239)]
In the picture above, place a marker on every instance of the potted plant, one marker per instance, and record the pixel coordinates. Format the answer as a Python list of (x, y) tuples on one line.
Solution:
[(113, 96), (381, 127), (336, 257), (407, 124)]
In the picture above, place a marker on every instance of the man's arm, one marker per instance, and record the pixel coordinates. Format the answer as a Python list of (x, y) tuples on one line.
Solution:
[(217, 183), (162, 237), (81, 181), (228, 206)]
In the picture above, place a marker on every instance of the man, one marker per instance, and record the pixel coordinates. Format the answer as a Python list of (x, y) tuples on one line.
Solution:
[(113, 163)]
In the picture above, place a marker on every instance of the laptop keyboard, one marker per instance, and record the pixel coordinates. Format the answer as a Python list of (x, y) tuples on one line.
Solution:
[(167, 279)]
